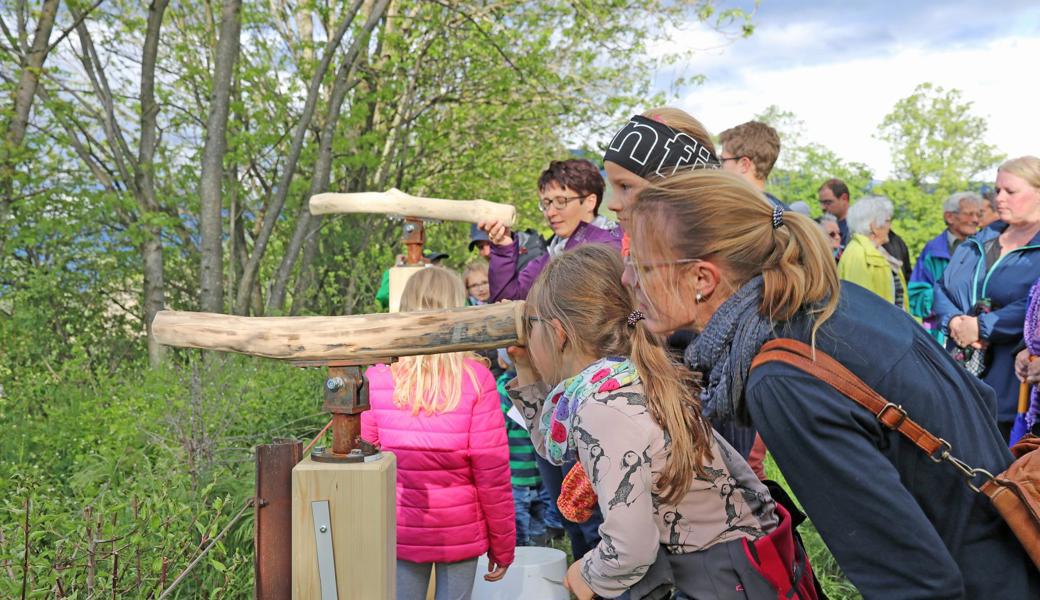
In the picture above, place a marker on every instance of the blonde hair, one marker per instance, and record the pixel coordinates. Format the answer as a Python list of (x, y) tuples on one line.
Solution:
[(712, 213), (582, 289), (432, 383), (684, 122), (1025, 167), (476, 266)]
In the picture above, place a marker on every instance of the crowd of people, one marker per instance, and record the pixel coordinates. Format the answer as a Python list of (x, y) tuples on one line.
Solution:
[(653, 383)]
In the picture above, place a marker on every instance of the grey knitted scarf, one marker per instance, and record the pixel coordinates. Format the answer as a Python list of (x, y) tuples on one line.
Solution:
[(725, 349)]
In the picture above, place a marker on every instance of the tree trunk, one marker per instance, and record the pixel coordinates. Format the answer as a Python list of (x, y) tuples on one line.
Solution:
[(152, 254), (31, 67), (320, 179), (304, 277), (252, 266), (211, 264)]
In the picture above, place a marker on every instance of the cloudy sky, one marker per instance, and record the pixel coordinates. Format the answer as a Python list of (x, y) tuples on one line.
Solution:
[(840, 66)]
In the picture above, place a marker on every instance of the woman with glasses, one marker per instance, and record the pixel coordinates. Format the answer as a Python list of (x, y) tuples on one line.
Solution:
[(710, 255), (569, 194)]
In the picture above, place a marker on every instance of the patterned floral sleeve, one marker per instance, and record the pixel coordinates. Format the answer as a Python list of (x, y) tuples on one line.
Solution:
[(614, 448), (529, 400)]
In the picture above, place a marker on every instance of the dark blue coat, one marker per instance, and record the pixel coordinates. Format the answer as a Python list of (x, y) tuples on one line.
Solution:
[(899, 525), (1006, 282)]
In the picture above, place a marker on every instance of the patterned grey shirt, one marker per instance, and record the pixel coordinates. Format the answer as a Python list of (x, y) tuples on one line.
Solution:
[(624, 450)]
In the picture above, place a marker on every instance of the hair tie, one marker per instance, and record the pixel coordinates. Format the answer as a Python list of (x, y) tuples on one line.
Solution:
[(634, 317), (778, 216)]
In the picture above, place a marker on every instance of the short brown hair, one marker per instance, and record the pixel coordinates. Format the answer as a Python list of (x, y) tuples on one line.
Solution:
[(836, 186), (755, 140), (578, 174)]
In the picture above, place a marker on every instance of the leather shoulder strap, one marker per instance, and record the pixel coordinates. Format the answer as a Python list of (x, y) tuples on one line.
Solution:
[(822, 366)]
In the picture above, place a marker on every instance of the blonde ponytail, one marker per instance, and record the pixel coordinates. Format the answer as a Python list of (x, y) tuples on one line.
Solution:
[(714, 214)]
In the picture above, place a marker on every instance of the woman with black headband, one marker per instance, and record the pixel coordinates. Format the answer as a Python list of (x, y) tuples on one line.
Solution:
[(652, 146), (751, 279)]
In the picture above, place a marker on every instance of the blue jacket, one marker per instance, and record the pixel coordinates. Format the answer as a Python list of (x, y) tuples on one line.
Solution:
[(899, 525), (931, 264), (1006, 282)]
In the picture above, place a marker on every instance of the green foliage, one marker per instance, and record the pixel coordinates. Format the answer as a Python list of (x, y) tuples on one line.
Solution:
[(144, 465), (938, 147)]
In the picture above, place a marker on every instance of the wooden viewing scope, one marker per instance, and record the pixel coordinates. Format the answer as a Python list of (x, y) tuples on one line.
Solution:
[(341, 521)]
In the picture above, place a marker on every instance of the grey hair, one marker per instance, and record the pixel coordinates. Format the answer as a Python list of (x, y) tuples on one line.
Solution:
[(826, 218), (868, 213), (953, 203)]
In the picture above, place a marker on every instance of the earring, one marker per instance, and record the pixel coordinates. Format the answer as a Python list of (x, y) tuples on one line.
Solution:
[(698, 297)]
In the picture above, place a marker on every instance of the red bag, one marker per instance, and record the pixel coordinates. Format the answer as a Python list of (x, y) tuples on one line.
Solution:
[(782, 561)]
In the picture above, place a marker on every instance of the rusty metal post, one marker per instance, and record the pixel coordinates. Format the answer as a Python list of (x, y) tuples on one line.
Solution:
[(414, 237), (272, 525)]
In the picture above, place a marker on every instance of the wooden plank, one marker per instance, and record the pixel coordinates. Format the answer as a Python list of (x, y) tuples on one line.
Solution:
[(399, 276), (396, 202), (362, 503), (346, 338)]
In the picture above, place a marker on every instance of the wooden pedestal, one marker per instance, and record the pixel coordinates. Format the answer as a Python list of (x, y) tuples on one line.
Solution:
[(398, 277), (362, 525)]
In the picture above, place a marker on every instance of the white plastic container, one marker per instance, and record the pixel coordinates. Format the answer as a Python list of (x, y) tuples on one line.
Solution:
[(535, 573)]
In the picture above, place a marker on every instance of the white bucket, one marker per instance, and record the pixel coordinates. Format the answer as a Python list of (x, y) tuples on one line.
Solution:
[(535, 573)]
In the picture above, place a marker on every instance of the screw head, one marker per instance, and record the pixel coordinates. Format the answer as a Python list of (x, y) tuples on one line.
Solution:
[(318, 450), (323, 528), (333, 383)]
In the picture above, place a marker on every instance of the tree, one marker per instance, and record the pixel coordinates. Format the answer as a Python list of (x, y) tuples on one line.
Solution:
[(211, 265), (938, 147), (936, 141)]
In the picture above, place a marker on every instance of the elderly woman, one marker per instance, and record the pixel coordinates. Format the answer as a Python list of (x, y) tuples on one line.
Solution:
[(981, 300), (864, 261), (709, 254)]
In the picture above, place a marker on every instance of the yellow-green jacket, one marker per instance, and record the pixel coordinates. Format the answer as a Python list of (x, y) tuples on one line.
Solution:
[(863, 264)]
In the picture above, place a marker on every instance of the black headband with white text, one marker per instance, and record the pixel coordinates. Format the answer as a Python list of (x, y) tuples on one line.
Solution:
[(650, 148)]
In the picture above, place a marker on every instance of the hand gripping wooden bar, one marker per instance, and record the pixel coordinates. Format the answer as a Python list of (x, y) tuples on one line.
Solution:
[(353, 338), (396, 202)]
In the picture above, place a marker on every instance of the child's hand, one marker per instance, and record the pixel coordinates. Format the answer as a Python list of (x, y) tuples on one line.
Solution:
[(576, 584), (495, 571), (525, 372)]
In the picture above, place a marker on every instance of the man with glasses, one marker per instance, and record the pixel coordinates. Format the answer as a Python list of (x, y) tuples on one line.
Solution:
[(834, 200), (750, 150), (569, 195), (962, 212)]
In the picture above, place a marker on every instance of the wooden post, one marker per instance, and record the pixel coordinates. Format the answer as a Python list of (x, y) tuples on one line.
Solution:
[(362, 526)]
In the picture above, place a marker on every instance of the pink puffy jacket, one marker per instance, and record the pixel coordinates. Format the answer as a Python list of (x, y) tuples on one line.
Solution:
[(454, 497)]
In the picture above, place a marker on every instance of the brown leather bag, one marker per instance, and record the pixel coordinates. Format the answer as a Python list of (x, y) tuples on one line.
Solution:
[(1015, 493)]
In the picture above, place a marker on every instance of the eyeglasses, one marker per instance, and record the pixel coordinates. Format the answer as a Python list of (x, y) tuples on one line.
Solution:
[(641, 269), (834, 234), (559, 202), (532, 320), (725, 158)]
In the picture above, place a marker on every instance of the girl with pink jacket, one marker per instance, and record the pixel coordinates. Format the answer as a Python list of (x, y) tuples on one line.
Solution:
[(440, 416)]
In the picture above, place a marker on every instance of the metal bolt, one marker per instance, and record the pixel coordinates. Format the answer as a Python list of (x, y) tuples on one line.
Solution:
[(318, 450), (323, 528), (333, 383), (356, 452), (409, 227)]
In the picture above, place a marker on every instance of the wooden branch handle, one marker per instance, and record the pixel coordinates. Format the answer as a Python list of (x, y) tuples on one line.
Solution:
[(396, 202), (355, 337)]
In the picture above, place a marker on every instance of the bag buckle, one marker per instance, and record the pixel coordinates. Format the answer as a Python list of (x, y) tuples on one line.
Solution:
[(902, 415)]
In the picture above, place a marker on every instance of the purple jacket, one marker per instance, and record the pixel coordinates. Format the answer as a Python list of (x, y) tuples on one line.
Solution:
[(509, 284)]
